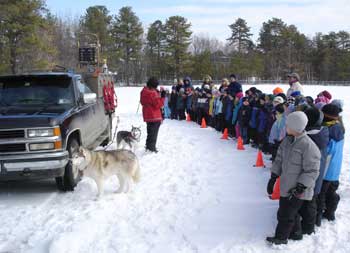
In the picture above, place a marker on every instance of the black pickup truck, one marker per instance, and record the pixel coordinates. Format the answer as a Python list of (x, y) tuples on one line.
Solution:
[(44, 118)]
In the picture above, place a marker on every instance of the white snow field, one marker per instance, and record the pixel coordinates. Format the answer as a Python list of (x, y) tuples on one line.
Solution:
[(198, 194)]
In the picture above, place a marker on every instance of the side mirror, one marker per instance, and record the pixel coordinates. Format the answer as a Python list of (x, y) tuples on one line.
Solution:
[(89, 98)]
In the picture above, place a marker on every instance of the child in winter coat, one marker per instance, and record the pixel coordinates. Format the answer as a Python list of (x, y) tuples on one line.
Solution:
[(244, 114), (328, 197), (320, 135), (172, 103), (180, 104), (297, 163), (218, 112), (167, 112), (278, 130)]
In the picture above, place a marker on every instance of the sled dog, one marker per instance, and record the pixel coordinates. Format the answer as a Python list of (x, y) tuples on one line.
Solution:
[(99, 165), (128, 139)]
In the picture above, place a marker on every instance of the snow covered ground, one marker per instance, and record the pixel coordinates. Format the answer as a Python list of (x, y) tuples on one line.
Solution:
[(198, 194)]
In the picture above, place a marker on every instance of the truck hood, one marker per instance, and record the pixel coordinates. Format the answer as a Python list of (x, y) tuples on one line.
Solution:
[(46, 119)]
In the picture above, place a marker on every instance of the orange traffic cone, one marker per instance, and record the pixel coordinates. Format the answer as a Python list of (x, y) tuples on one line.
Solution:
[(188, 118), (225, 134), (259, 160), (204, 124), (240, 143), (276, 190)]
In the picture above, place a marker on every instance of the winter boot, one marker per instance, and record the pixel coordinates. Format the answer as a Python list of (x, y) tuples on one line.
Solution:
[(276, 241), (295, 236), (319, 220), (329, 216)]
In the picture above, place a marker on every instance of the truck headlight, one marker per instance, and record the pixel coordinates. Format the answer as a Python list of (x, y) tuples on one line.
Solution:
[(41, 146), (48, 132)]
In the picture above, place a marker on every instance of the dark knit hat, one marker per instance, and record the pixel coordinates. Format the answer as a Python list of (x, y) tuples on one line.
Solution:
[(314, 116), (309, 100), (245, 99), (331, 111), (233, 76), (262, 97), (152, 82)]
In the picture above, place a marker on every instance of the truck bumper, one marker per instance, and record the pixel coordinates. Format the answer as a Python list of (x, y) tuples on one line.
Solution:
[(33, 166)]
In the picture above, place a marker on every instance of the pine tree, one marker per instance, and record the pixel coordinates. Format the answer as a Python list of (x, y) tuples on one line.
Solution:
[(97, 21), (178, 36), (22, 28), (127, 34), (240, 35), (155, 48)]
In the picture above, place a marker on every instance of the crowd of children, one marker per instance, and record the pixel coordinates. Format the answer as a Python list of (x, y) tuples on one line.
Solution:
[(296, 122)]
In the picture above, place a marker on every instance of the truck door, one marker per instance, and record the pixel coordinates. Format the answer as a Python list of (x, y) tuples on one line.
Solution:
[(91, 128)]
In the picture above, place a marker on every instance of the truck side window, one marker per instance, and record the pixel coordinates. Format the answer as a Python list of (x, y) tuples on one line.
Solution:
[(83, 89)]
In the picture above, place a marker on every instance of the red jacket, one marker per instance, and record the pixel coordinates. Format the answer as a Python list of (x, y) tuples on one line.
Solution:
[(151, 105)]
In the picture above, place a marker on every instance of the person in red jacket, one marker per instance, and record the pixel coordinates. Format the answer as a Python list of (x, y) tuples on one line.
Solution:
[(152, 102)]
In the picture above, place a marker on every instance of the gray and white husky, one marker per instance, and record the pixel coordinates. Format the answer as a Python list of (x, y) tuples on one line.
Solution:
[(129, 139), (99, 165)]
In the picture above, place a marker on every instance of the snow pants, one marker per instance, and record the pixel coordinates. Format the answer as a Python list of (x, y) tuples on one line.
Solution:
[(152, 135), (308, 213), (328, 199), (288, 218)]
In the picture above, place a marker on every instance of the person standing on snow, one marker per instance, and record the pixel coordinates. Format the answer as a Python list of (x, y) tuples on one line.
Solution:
[(294, 83), (152, 102), (298, 164)]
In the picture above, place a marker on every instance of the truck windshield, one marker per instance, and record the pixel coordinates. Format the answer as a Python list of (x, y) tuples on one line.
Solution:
[(18, 91)]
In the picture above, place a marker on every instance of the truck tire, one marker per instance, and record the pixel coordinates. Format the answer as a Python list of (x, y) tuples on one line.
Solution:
[(71, 175)]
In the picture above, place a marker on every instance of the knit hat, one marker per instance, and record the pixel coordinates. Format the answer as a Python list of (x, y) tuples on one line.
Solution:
[(282, 95), (277, 90), (279, 108), (339, 103), (327, 94), (245, 99), (152, 82), (291, 100), (314, 116), (262, 97), (278, 100), (297, 121), (309, 100), (331, 111), (239, 95), (233, 76)]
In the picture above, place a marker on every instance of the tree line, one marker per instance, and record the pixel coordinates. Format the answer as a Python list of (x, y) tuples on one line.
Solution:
[(31, 37)]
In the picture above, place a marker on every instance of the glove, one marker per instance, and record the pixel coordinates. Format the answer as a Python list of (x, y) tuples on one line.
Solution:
[(163, 94), (297, 191), (271, 183)]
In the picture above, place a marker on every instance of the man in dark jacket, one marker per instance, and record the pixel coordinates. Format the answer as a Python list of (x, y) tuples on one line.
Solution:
[(234, 86), (152, 102)]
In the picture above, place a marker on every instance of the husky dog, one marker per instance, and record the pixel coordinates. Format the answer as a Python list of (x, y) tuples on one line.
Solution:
[(100, 165), (126, 138)]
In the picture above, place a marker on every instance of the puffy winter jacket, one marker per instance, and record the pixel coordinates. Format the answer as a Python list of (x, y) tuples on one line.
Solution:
[(253, 123), (321, 138), (151, 105), (234, 88), (218, 106), (295, 87), (334, 152), (262, 120), (297, 161), (278, 130)]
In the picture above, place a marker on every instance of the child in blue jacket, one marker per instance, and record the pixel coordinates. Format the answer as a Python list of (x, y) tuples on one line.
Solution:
[(328, 197)]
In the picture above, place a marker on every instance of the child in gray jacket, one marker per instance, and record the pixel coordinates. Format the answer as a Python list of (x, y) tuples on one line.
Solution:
[(297, 163)]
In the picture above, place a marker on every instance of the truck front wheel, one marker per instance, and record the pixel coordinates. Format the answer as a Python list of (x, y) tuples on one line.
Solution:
[(71, 174)]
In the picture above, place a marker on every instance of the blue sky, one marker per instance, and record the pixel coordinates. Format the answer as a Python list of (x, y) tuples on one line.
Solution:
[(212, 17)]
